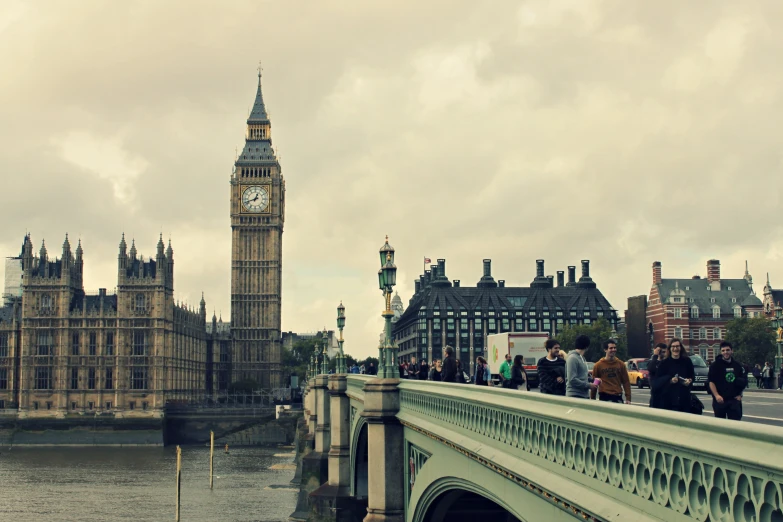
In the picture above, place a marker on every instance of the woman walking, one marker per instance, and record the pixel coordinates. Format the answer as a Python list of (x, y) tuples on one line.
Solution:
[(660, 353), (673, 379), (482, 375), (518, 375), (757, 375)]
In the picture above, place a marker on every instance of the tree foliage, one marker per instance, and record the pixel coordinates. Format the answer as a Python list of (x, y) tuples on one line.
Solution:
[(598, 332), (753, 339)]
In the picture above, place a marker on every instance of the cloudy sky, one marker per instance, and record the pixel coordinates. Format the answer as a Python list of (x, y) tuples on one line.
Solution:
[(620, 132)]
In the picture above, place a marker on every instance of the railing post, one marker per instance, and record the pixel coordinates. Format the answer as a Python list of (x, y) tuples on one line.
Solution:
[(312, 418), (385, 495), (340, 451)]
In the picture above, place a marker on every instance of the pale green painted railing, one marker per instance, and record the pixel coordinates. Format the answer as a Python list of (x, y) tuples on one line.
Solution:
[(657, 462)]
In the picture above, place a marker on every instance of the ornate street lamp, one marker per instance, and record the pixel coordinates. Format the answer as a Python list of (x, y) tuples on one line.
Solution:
[(387, 279), (779, 342), (340, 325), (325, 359), (313, 365)]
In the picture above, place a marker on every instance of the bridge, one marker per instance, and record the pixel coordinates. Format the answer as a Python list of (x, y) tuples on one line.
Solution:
[(416, 451)]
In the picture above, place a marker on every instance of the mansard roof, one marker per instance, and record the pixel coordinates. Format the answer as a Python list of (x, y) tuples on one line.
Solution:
[(699, 291), (483, 300)]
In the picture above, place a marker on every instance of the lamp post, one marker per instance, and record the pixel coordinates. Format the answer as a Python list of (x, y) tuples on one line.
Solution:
[(779, 342), (387, 279), (325, 355), (340, 325), (314, 364)]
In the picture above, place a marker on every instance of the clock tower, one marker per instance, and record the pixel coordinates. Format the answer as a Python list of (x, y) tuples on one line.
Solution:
[(257, 216)]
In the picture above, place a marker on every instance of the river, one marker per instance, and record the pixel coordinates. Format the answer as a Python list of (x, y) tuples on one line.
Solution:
[(109, 484)]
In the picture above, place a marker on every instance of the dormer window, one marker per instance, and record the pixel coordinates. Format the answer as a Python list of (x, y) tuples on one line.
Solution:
[(687, 288), (733, 299), (712, 299), (737, 311), (729, 289), (715, 312), (695, 312), (678, 299)]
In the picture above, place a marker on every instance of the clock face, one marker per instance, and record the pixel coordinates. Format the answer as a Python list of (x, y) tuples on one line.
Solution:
[(255, 199)]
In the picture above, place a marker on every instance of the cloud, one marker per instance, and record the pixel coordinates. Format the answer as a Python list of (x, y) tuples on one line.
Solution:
[(620, 133), (106, 159)]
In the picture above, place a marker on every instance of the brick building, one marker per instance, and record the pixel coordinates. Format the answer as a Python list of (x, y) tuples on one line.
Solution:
[(696, 310)]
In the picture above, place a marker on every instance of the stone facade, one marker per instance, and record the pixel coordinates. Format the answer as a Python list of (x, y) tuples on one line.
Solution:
[(63, 351), (257, 216)]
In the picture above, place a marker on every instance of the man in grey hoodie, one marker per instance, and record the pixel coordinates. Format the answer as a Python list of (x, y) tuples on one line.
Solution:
[(577, 384)]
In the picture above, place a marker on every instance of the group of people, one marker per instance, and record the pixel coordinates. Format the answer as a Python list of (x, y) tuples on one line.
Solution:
[(765, 377), (671, 376)]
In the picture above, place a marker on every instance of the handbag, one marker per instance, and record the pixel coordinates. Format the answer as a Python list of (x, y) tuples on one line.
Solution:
[(696, 406)]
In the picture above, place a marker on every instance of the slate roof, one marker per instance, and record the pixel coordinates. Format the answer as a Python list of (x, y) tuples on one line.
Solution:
[(139, 268), (258, 113), (6, 314), (481, 300), (699, 291), (777, 296), (257, 152), (93, 302)]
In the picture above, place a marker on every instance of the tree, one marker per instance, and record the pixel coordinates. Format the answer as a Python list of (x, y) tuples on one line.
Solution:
[(598, 332), (297, 358), (753, 339)]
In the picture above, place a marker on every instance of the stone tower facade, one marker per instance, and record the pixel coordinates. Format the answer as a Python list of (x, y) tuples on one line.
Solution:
[(66, 352), (257, 216)]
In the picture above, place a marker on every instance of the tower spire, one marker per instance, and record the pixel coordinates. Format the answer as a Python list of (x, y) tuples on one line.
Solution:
[(258, 112)]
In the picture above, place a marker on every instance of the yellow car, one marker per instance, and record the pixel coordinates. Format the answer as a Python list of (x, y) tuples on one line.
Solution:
[(637, 372)]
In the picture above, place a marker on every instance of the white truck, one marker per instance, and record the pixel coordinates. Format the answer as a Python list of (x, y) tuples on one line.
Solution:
[(530, 345)]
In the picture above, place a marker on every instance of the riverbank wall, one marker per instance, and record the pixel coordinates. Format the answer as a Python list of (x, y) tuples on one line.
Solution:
[(160, 431)]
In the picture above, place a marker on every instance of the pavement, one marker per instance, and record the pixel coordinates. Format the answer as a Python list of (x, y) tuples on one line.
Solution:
[(758, 406)]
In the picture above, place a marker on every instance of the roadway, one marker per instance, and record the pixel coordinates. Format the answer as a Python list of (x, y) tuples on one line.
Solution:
[(757, 406)]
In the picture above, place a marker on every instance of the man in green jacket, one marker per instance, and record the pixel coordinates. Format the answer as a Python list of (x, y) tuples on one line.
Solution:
[(505, 372)]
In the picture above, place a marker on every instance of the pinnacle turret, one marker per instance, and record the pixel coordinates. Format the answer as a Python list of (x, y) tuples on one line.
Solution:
[(42, 253), (66, 247), (169, 251), (123, 245), (133, 249), (160, 245), (79, 250)]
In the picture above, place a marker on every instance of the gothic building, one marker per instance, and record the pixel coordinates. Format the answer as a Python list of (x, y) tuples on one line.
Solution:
[(696, 310), (64, 351), (772, 298), (257, 216), (443, 312)]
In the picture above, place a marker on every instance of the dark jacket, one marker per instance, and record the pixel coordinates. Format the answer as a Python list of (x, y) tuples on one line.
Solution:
[(449, 370), (674, 396), (424, 371), (481, 375), (413, 371), (517, 377), (548, 372), (656, 399), (729, 378), (435, 375)]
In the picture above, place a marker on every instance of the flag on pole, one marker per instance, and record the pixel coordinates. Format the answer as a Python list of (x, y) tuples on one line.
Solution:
[(427, 260)]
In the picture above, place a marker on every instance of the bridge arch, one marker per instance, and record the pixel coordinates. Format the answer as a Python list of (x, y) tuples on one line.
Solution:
[(359, 461), (452, 499)]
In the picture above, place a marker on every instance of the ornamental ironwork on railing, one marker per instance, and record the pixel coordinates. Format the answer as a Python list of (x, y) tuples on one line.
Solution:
[(701, 468)]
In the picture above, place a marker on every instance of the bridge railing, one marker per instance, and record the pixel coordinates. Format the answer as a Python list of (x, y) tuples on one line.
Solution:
[(671, 465)]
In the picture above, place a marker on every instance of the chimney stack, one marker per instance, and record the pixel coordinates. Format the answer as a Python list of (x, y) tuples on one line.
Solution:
[(417, 286), (501, 283), (456, 283), (656, 272), (551, 280), (442, 269), (586, 268), (539, 268), (487, 280), (560, 278), (713, 270), (571, 276)]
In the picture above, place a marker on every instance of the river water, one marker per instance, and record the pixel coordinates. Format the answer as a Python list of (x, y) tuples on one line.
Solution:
[(110, 484)]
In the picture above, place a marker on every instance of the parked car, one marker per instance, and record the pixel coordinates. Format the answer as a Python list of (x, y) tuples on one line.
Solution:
[(701, 370), (638, 373)]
